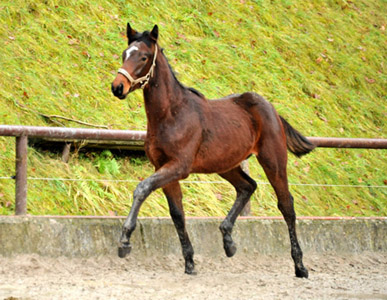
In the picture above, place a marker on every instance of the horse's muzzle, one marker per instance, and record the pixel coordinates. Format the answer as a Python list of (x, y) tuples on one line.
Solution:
[(118, 90)]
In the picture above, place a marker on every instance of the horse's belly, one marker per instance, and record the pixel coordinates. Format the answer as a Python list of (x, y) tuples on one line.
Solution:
[(223, 154)]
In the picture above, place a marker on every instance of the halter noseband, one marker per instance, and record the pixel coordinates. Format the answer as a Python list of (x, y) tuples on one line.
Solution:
[(144, 80)]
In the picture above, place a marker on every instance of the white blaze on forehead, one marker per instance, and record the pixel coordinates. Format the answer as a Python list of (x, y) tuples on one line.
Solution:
[(129, 51)]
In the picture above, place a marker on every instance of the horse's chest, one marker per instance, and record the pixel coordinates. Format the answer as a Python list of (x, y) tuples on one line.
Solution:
[(155, 152)]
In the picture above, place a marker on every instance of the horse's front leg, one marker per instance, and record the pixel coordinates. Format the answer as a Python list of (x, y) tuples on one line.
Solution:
[(174, 197), (142, 191), (163, 176)]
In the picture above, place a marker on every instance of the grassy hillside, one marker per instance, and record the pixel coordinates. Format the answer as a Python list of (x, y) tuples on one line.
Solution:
[(321, 63)]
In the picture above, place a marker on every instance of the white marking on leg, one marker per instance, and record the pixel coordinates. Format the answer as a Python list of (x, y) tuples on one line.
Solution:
[(129, 51)]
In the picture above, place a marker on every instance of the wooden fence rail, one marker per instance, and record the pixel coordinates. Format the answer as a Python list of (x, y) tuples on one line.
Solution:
[(131, 137)]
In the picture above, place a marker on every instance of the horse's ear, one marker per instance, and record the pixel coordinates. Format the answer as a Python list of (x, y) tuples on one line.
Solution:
[(130, 33), (154, 33)]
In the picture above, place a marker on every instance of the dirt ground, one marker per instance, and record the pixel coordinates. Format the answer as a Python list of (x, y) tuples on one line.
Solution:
[(261, 277)]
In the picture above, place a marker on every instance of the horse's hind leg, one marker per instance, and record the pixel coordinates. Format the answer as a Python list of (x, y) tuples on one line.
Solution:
[(174, 197), (245, 187), (273, 158)]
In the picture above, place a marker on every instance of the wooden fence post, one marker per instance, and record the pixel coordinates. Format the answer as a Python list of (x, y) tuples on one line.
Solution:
[(66, 152), (21, 175)]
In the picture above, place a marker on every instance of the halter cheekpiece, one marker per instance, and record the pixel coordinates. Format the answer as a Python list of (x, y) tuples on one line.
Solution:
[(144, 80)]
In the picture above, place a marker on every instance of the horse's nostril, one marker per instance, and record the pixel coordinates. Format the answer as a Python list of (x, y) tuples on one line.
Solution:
[(117, 90)]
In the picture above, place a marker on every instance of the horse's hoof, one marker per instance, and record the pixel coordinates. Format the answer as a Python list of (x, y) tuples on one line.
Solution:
[(302, 273), (123, 251), (190, 272), (190, 267), (230, 249)]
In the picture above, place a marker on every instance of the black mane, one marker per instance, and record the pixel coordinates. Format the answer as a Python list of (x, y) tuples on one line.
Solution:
[(144, 37), (191, 89)]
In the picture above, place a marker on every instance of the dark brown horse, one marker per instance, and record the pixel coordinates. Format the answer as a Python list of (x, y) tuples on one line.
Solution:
[(186, 133)]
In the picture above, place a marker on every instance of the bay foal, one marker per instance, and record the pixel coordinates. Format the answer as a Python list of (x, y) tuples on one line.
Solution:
[(186, 133)]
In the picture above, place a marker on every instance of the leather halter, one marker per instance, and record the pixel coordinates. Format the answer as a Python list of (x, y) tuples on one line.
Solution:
[(144, 80)]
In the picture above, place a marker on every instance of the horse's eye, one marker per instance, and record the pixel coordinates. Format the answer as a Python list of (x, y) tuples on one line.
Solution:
[(144, 58)]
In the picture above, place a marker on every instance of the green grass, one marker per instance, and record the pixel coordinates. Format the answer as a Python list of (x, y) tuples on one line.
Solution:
[(321, 63)]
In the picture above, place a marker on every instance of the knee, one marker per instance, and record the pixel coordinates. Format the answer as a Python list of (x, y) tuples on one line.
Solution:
[(142, 191)]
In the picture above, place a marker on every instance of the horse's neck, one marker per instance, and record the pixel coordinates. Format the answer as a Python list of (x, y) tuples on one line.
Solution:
[(162, 94)]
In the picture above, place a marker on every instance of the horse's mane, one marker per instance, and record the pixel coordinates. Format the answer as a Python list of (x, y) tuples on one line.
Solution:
[(193, 90), (144, 37)]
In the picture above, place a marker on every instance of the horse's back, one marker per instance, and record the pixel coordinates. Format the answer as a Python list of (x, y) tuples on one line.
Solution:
[(258, 110)]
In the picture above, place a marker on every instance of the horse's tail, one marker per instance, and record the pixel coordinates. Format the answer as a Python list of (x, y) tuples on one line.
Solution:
[(295, 141)]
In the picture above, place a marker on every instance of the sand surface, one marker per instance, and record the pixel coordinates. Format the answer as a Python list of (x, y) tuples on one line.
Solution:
[(257, 277)]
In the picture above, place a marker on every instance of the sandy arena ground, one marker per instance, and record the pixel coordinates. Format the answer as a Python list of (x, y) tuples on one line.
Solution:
[(261, 277)]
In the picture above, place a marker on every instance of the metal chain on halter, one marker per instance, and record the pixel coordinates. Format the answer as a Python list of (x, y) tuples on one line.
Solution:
[(144, 80)]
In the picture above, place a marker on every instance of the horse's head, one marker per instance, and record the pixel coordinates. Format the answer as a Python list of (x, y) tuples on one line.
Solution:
[(139, 61)]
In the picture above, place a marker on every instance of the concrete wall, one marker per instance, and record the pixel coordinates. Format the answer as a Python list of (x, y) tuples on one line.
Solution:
[(91, 236)]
